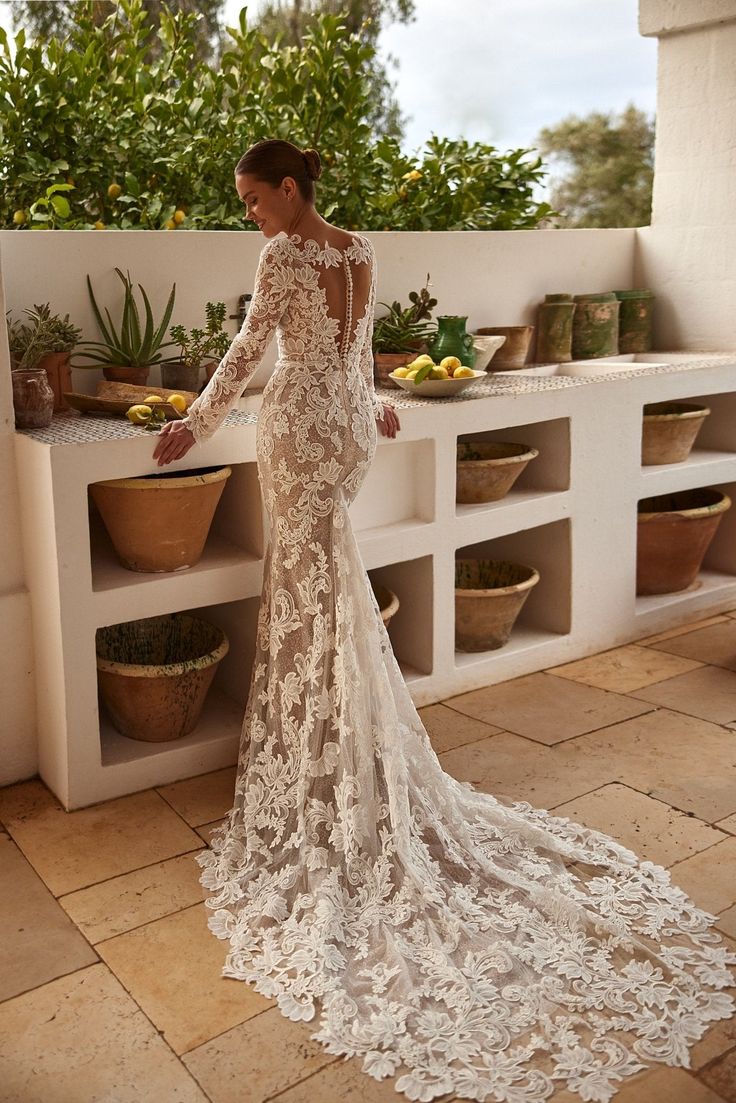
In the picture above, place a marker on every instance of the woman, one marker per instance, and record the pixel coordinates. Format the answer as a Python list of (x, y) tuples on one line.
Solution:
[(464, 944)]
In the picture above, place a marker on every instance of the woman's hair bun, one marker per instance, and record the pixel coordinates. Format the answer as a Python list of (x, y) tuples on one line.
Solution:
[(314, 164)]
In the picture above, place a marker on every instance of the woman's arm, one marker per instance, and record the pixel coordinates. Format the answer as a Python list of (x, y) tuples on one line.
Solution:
[(271, 293)]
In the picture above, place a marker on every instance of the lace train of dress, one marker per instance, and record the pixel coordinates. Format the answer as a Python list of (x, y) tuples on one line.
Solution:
[(461, 943)]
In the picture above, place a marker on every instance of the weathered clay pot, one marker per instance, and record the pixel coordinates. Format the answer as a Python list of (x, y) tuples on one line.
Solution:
[(486, 470), (122, 373), (486, 346), (387, 600), (154, 674), (673, 534), (669, 430), (595, 326), (489, 595), (514, 352), (554, 329), (385, 362), (210, 369), (180, 377), (33, 399), (160, 522), (635, 320), (59, 374)]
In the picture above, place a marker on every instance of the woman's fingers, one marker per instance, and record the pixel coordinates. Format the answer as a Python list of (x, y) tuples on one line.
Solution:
[(174, 441)]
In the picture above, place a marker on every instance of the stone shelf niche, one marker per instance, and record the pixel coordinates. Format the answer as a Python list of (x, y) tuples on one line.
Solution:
[(572, 514)]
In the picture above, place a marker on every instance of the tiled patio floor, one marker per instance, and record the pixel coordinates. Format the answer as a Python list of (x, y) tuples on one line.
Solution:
[(110, 983)]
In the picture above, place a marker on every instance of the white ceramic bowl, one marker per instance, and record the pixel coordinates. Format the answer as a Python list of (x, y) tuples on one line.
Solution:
[(486, 345), (437, 388)]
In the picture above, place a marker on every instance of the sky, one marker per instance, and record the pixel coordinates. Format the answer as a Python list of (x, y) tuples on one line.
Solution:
[(497, 71)]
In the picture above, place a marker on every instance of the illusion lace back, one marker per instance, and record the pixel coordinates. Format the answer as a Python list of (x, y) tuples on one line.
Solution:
[(459, 942)]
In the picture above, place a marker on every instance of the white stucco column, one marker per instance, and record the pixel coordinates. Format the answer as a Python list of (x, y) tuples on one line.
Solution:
[(687, 255)]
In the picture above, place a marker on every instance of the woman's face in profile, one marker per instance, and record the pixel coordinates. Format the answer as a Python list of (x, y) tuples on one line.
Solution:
[(264, 205)]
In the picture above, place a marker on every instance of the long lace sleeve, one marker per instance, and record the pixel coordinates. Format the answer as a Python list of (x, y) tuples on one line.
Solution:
[(271, 293), (366, 349)]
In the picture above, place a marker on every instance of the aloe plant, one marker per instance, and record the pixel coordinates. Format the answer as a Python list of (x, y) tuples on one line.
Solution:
[(129, 346)]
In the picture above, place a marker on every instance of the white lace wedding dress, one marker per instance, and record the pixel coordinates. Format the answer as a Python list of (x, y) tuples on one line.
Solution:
[(463, 944)]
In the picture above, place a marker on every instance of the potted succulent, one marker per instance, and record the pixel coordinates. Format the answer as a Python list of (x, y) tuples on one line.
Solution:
[(402, 333), (125, 356), (197, 347), (45, 343)]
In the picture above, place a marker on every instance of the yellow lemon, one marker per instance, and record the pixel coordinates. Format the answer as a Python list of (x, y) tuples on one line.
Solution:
[(401, 373), (440, 373), (463, 372), (450, 362), (114, 191), (179, 216), (19, 218), (139, 414), (170, 224), (425, 358), (178, 401), (411, 374), (152, 398), (99, 225)]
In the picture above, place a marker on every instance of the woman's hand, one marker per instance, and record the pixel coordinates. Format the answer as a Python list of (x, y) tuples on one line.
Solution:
[(390, 425), (174, 441)]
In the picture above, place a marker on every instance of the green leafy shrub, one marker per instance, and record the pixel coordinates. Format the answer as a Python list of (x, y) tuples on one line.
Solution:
[(153, 145)]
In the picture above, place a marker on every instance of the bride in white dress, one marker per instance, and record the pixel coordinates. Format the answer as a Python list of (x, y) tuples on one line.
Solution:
[(460, 943)]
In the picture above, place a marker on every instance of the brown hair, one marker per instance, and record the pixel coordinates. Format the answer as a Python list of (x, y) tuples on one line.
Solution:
[(273, 158)]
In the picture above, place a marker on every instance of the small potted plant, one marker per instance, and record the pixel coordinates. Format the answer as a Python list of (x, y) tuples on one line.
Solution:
[(399, 335), (46, 343), (198, 346), (126, 356)]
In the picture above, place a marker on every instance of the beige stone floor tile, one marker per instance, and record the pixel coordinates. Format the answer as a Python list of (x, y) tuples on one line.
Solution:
[(206, 830), (727, 824), (625, 668), (545, 708), (710, 876), (257, 1059), (71, 850), (203, 798), (122, 903), (708, 692), (82, 1038), (508, 766), (345, 1082), (715, 645), (682, 760), (649, 827), (693, 626), (39, 942), (727, 924), (721, 1076), (172, 969), (448, 728)]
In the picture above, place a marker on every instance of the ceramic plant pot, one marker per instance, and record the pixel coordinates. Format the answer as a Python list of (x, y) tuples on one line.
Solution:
[(489, 595), (121, 373), (387, 600), (180, 377), (385, 362), (154, 674), (160, 522), (674, 532), (514, 352), (595, 326), (635, 320), (59, 374), (486, 347), (33, 399), (554, 329), (486, 470), (669, 430)]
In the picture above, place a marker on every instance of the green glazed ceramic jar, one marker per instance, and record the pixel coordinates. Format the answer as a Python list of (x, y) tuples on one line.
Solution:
[(452, 340), (635, 320), (554, 329), (595, 326)]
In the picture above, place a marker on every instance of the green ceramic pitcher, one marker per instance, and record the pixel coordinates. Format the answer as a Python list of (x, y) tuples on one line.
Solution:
[(452, 340)]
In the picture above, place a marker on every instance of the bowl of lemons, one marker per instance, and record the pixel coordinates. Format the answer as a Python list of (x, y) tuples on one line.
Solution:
[(430, 380)]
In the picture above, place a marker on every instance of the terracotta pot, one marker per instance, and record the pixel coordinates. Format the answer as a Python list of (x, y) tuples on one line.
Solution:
[(486, 470), (674, 532), (154, 674), (210, 369), (385, 362), (33, 399), (178, 377), (120, 373), (160, 522), (669, 430), (595, 326), (512, 355), (554, 329), (387, 600), (489, 595), (59, 374)]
